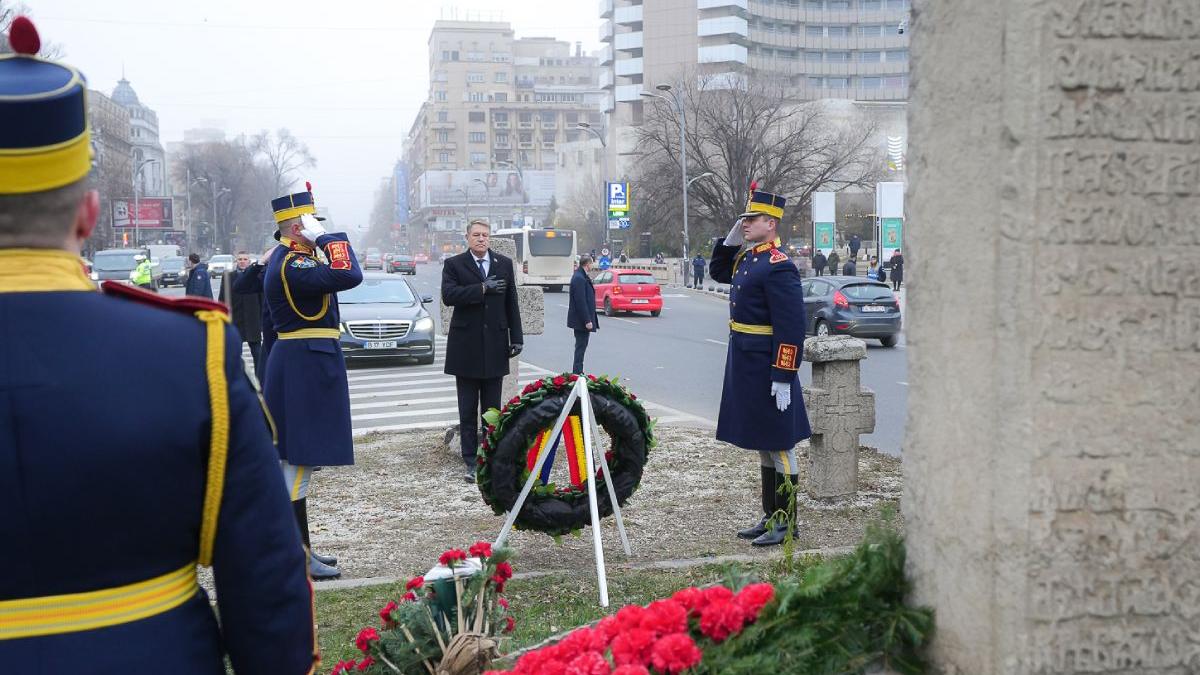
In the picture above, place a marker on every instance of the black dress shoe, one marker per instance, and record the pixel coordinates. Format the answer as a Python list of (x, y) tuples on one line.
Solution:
[(469, 476), (754, 532), (319, 571), (773, 537), (326, 559)]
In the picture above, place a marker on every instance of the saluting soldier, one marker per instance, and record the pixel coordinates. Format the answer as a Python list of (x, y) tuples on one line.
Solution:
[(110, 503), (761, 404), (305, 384)]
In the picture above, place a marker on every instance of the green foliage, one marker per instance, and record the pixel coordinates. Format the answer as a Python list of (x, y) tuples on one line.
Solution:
[(839, 616)]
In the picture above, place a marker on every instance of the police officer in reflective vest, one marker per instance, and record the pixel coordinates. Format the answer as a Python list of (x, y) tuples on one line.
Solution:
[(761, 405), (143, 274), (109, 504), (305, 382)]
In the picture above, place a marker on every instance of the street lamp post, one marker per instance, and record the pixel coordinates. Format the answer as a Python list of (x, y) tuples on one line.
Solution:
[(521, 175), (215, 195), (467, 197), (487, 189), (678, 101), (603, 179), (137, 215)]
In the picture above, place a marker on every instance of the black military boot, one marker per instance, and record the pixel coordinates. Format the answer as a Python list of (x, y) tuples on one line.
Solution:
[(785, 503), (768, 476), (320, 566)]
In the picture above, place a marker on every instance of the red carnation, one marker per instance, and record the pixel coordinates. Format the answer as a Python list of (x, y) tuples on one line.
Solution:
[(512, 401), (342, 667), (499, 581), (664, 617), (633, 397), (365, 637), (674, 654), (451, 557), (510, 624), (503, 602), (632, 647), (365, 663), (579, 641), (530, 388), (408, 597), (414, 583), (504, 571), (592, 378), (717, 594), (630, 616), (559, 381), (386, 614), (692, 598), (481, 549), (753, 598), (609, 627), (631, 670), (572, 378), (588, 663), (721, 619)]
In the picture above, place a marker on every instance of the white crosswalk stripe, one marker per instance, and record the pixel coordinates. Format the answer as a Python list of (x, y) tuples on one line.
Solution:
[(404, 396)]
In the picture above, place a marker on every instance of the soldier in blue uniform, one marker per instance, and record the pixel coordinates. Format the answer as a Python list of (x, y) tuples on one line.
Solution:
[(761, 404), (109, 501), (305, 384)]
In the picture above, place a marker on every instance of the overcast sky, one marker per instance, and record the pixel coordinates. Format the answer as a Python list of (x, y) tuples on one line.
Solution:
[(347, 78)]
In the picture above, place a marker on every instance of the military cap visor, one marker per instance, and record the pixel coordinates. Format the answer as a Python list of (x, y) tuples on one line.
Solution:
[(44, 138)]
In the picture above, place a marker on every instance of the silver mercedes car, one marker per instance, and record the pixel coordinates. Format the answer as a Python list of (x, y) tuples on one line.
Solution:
[(385, 318)]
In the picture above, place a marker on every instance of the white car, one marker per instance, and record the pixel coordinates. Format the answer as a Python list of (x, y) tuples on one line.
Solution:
[(219, 264)]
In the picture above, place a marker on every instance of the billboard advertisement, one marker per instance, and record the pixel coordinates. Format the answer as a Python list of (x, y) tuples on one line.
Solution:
[(889, 205), (824, 218), (479, 188), (153, 214), (401, 183)]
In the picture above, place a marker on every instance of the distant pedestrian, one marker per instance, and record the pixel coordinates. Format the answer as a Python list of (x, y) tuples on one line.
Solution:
[(581, 311), (897, 261), (251, 281), (658, 258), (855, 245), (624, 259), (245, 309), (698, 271), (873, 269), (198, 282), (835, 262), (819, 263), (849, 269)]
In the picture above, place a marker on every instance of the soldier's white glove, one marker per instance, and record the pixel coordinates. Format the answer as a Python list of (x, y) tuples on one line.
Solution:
[(782, 391), (735, 237), (311, 227)]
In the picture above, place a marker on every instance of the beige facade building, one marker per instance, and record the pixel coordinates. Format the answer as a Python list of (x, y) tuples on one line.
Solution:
[(484, 142)]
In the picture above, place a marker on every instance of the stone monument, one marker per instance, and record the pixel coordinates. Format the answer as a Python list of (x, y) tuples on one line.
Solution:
[(838, 410), (1052, 463)]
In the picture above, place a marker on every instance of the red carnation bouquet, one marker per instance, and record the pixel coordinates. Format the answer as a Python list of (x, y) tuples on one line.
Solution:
[(663, 638), (449, 620)]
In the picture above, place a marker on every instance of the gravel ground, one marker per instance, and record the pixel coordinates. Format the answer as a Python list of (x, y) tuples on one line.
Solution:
[(404, 502)]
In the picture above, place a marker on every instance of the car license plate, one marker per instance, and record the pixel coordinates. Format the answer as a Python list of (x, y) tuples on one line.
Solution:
[(638, 301), (380, 344), (874, 308)]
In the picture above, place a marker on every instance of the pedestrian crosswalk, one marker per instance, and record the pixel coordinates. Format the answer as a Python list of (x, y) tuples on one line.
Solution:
[(401, 397)]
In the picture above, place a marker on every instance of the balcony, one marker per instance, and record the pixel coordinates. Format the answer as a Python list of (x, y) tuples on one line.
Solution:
[(525, 125), (605, 32), (606, 79), (549, 124), (547, 145), (629, 67), (501, 125), (718, 4), (722, 54), (628, 42), (628, 15), (606, 55), (502, 144), (441, 125), (723, 25), (626, 93), (606, 8), (524, 145)]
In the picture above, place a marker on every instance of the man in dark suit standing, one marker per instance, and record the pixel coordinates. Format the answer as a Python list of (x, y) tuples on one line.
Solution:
[(245, 309), (581, 311), (485, 332)]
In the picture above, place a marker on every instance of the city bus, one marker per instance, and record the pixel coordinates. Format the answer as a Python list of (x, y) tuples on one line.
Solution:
[(544, 257)]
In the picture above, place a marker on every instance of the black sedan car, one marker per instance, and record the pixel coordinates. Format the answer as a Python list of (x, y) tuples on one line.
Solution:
[(855, 306), (404, 264), (171, 273), (385, 318)]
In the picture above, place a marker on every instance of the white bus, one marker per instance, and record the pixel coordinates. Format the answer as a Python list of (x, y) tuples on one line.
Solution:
[(544, 257)]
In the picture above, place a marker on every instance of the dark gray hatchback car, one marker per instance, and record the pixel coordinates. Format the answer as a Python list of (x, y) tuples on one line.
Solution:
[(855, 306), (385, 318)]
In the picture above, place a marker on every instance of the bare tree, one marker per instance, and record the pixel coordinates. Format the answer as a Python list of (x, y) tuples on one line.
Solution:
[(228, 174), (753, 130), (10, 11), (284, 155)]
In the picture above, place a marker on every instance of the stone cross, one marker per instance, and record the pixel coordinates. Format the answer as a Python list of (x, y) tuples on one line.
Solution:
[(838, 410)]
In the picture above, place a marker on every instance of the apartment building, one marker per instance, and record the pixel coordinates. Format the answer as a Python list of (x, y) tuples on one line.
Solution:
[(484, 142)]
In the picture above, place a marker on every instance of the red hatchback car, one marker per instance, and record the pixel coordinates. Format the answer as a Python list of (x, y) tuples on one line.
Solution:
[(620, 290)]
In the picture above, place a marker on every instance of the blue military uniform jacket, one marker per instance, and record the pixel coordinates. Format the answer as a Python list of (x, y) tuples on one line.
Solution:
[(107, 428), (305, 382), (766, 341)]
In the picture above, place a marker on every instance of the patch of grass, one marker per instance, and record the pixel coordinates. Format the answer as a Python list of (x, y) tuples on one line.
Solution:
[(342, 613)]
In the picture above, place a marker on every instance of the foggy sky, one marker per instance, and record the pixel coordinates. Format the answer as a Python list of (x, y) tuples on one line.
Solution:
[(347, 78)]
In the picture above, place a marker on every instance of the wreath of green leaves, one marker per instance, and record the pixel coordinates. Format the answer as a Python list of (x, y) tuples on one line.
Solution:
[(500, 422)]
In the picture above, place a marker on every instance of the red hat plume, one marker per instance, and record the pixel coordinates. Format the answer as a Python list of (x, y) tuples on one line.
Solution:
[(753, 185), (308, 186), (23, 36)]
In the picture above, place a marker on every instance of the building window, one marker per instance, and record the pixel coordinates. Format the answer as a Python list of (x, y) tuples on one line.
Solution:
[(525, 137), (439, 95), (814, 4), (897, 4), (897, 56), (839, 4), (871, 5), (869, 57), (475, 56), (477, 137), (474, 77), (816, 82), (443, 137), (440, 76), (444, 157), (839, 31), (501, 137), (871, 82), (476, 96), (499, 57), (448, 55), (766, 52), (443, 116), (870, 31), (837, 57), (891, 29), (476, 117), (525, 118), (787, 54), (812, 57), (500, 116), (895, 81), (838, 82), (501, 97), (814, 31), (478, 157), (501, 77)]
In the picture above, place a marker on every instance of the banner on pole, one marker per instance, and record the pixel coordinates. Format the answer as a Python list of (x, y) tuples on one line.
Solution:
[(824, 219)]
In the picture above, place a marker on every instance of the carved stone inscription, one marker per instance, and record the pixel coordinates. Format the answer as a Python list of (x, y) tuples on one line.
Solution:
[(1113, 565)]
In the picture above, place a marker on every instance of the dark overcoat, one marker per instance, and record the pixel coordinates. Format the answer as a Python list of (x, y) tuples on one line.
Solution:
[(483, 326), (581, 308)]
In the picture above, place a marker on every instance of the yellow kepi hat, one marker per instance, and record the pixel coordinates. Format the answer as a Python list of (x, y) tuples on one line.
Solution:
[(764, 203), (44, 138), (294, 205)]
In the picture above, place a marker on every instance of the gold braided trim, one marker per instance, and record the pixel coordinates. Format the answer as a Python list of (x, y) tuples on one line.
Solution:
[(218, 397), (73, 612), (750, 328), (310, 333), (37, 270), (287, 292)]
